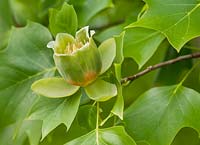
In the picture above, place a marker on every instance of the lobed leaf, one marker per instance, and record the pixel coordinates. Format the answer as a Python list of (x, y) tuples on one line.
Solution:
[(178, 20), (30, 129), (109, 136), (54, 112), (5, 23), (161, 112), (141, 43), (25, 60)]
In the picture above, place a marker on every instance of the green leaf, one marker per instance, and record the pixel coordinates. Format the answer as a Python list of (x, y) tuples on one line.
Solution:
[(86, 9), (25, 60), (23, 10), (142, 84), (63, 20), (54, 112), (119, 48), (161, 112), (5, 23), (46, 4), (101, 90), (34, 10), (118, 68), (110, 32), (30, 129), (86, 117), (118, 108), (54, 88), (107, 51), (186, 136), (141, 43), (109, 136), (112, 21), (84, 97), (177, 20), (172, 74)]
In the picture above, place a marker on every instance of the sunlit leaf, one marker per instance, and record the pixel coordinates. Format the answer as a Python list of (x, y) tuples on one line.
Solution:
[(178, 20), (141, 43)]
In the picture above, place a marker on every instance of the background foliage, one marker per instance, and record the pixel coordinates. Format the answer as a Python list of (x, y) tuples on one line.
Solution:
[(160, 108)]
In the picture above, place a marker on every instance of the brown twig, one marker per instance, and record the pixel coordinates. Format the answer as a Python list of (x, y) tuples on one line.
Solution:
[(159, 65)]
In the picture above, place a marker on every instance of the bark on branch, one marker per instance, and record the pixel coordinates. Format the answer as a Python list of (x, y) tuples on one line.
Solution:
[(159, 65)]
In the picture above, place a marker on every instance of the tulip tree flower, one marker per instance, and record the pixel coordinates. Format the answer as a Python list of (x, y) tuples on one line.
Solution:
[(79, 61)]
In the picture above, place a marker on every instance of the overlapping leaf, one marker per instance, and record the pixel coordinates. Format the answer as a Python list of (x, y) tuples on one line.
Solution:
[(9, 135), (178, 20), (5, 23), (141, 43), (25, 60), (112, 21), (118, 107), (87, 117), (109, 136), (53, 112), (158, 115)]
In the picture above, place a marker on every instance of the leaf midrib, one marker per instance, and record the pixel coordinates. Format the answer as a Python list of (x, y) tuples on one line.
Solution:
[(184, 17), (165, 109)]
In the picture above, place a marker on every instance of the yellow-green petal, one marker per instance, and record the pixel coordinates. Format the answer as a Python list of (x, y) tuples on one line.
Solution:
[(101, 90), (107, 51), (54, 88)]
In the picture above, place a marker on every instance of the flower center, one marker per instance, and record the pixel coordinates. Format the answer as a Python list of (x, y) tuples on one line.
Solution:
[(73, 47)]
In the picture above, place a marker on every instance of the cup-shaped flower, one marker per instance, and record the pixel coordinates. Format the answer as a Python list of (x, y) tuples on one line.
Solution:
[(77, 59), (80, 62)]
